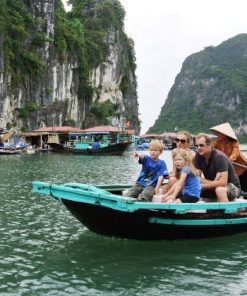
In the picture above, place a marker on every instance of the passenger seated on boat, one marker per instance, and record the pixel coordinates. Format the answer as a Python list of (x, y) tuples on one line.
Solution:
[(183, 141), (96, 145), (188, 187), (228, 143), (151, 175), (1, 145), (218, 178)]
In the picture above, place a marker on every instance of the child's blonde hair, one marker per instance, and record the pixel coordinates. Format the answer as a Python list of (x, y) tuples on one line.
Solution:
[(156, 144), (186, 156)]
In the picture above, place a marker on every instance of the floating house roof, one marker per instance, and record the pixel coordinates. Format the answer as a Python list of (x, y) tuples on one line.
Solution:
[(58, 129), (74, 130), (106, 129)]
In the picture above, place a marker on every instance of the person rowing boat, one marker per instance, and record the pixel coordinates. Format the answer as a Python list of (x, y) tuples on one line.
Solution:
[(228, 143)]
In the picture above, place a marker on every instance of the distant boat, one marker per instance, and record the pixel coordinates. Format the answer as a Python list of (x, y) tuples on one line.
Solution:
[(9, 151), (103, 210), (45, 148), (99, 140), (111, 149), (29, 150), (142, 146)]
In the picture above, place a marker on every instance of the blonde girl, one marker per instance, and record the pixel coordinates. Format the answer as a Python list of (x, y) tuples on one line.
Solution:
[(188, 186), (182, 140)]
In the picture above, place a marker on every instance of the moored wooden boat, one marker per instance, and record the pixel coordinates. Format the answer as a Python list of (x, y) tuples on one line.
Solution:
[(112, 149), (100, 140), (104, 211), (29, 150), (6, 151)]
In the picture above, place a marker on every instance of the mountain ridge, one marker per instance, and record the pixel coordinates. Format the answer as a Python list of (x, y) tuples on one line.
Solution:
[(210, 89)]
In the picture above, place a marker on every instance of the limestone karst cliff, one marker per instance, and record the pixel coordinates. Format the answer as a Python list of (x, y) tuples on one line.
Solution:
[(58, 68), (210, 89)]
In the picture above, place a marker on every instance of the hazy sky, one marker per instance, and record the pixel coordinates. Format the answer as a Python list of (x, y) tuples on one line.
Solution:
[(165, 32)]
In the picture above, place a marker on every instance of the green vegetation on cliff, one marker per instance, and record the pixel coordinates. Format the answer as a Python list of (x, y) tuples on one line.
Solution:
[(103, 23), (82, 35), (20, 42), (210, 89), (97, 19)]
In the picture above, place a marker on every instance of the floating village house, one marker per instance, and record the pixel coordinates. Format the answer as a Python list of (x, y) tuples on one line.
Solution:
[(67, 134), (46, 135)]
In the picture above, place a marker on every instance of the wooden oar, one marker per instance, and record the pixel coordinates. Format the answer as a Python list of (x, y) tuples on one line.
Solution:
[(239, 165)]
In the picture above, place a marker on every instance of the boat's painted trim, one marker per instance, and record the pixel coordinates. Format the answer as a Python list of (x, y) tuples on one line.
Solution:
[(198, 222), (92, 195)]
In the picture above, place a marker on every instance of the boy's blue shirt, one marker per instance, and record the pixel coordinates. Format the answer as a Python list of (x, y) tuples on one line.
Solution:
[(151, 171)]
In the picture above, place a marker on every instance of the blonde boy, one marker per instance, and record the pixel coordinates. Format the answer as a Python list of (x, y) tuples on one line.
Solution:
[(151, 175)]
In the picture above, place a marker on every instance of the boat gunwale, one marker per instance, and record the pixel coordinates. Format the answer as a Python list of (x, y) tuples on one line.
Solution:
[(127, 204)]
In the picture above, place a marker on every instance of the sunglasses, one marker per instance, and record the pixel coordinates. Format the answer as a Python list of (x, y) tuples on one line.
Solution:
[(180, 140), (200, 145)]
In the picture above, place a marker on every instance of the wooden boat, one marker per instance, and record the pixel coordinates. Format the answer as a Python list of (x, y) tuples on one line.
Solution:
[(103, 210), (44, 149), (10, 151), (111, 149), (100, 140), (29, 150)]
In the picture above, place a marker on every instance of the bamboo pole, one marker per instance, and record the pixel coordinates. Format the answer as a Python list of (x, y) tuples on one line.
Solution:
[(239, 165)]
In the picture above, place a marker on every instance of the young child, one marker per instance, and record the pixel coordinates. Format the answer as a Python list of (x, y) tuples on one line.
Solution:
[(182, 141), (188, 186), (151, 175)]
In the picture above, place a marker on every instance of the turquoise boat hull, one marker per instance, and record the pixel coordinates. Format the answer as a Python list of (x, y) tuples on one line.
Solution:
[(102, 210)]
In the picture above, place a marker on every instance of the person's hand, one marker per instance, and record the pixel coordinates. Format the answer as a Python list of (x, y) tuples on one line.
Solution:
[(135, 154), (218, 176), (157, 191), (165, 195), (168, 198), (203, 180), (171, 174)]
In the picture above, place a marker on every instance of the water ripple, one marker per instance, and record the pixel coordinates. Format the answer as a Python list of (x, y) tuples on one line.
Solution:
[(44, 250)]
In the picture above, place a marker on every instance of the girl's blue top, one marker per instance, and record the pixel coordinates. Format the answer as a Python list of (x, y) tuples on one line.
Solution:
[(192, 186)]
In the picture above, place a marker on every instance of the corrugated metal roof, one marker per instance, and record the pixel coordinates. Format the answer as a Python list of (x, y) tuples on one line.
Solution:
[(58, 129), (102, 128), (70, 129), (106, 129), (31, 134)]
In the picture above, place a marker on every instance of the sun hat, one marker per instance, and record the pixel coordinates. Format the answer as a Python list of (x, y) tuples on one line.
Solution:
[(225, 129)]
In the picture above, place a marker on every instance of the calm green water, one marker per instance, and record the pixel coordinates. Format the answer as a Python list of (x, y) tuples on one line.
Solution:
[(45, 251)]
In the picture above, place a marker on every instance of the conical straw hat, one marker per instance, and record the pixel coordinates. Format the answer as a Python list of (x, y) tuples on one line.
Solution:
[(5, 137), (225, 129)]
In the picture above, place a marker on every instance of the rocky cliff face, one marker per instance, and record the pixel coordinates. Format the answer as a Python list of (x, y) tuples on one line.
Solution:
[(210, 89), (56, 95)]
